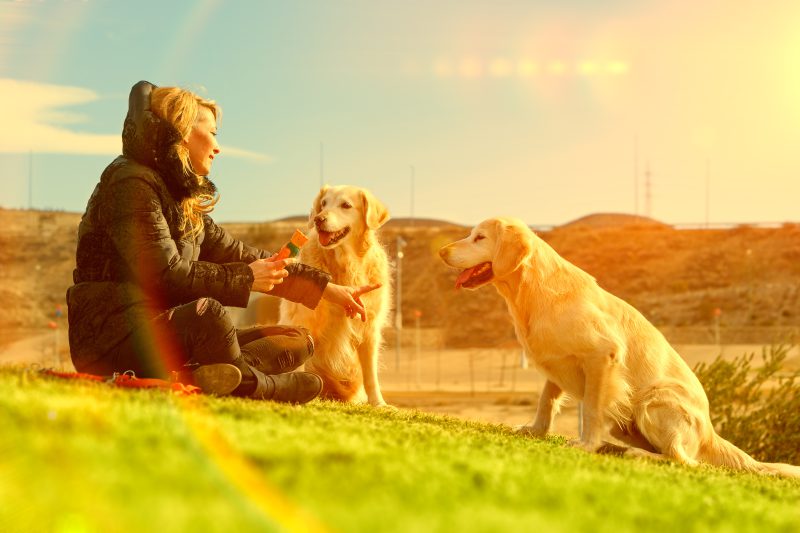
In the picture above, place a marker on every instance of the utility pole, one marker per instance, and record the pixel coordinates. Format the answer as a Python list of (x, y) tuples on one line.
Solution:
[(648, 192), (412, 195), (708, 190), (30, 180), (398, 316), (636, 175)]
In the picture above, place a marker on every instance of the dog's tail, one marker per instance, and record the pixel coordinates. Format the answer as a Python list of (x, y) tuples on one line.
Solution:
[(720, 452)]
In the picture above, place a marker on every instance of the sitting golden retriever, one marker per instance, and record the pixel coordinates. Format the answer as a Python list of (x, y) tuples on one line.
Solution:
[(343, 243), (595, 347)]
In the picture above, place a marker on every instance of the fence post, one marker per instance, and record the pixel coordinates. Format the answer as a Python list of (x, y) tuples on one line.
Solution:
[(418, 343)]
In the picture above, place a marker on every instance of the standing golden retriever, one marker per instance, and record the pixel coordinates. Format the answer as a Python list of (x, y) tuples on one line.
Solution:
[(343, 242), (595, 347)]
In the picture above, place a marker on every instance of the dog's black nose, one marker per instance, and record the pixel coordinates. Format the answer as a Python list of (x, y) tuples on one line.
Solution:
[(319, 219)]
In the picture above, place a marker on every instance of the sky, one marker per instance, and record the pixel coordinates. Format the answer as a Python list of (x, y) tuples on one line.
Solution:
[(688, 112)]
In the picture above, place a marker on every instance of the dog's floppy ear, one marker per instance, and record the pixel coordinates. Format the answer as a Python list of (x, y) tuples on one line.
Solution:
[(315, 207), (512, 246), (375, 213)]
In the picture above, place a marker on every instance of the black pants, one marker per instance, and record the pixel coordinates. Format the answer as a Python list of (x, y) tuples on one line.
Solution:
[(201, 333)]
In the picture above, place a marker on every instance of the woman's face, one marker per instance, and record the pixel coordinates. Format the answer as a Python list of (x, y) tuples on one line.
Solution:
[(202, 142)]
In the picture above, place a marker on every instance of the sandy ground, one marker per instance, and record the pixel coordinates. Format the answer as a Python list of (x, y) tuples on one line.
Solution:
[(47, 348), (486, 385)]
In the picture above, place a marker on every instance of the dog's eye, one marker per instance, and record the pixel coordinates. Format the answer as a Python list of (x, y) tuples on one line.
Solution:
[(346, 205), (322, 203), (478, 238)]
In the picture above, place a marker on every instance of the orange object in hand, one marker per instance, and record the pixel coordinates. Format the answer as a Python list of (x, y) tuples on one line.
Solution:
[(292, 248)]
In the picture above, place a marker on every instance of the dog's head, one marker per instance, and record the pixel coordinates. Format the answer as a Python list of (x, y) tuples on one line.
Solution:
[(343, 212), (494, 249)]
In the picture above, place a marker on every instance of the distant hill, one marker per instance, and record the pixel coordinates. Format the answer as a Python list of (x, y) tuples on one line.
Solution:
[(393, 222), (612, 220), (677, 278), (423, 222)]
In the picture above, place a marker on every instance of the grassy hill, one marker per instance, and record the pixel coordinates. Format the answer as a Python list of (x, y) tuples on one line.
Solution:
[(677, 278), (85, 456)]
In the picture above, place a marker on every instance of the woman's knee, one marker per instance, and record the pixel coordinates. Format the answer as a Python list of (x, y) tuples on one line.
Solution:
[(209, 306), (204, 318), (280, 353), (210, 311)]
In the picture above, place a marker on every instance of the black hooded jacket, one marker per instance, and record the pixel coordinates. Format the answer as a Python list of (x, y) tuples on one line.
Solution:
[(133, 262)]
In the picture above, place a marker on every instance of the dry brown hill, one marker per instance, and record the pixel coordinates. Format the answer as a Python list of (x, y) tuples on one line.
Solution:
[(675, 277)]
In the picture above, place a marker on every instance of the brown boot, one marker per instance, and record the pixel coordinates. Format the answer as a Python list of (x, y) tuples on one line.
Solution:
[(219, 378), (290, 387)]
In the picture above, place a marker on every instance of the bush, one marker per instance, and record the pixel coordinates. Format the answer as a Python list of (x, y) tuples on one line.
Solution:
[(757, 409)]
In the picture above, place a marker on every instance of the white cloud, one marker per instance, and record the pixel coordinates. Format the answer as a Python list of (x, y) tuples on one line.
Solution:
[(33, 115), (245, 154), (35, 121)]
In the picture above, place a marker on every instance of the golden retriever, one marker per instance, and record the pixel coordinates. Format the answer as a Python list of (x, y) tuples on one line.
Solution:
[(597, 348), (343, 242)]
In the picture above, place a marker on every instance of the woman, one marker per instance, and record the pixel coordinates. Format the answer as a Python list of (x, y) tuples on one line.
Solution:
[(154, 271)]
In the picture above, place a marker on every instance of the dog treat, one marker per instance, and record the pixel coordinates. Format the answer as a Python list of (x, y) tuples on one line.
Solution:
[(292, 248)]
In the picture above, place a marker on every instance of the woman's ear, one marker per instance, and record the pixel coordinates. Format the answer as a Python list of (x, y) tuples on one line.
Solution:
[(316, 207), (375, 213), (512, 247)]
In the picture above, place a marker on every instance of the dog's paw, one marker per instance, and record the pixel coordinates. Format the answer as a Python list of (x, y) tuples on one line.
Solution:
[(530, 431), (384, 406)]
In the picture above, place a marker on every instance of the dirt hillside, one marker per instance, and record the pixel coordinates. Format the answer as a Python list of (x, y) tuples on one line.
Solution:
[(676, 277)]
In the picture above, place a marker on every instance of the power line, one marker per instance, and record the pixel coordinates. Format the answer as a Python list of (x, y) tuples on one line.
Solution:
[(30, 180), (412, 195), (708, 190), (648, 191), (636, 175)]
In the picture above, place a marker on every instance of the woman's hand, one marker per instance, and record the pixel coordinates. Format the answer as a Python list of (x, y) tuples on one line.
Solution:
[(349, 298), (269, 272)]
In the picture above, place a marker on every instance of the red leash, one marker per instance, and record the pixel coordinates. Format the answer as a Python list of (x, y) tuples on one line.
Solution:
[(129, 380)]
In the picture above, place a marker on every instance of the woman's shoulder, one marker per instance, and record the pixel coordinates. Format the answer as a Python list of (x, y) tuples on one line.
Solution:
[(127, 185), (123, 168)]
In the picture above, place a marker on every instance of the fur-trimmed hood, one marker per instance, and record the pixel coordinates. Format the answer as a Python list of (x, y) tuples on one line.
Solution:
[(151, 141)]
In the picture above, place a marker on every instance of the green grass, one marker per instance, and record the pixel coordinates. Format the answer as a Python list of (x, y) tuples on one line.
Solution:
[(82, 456)]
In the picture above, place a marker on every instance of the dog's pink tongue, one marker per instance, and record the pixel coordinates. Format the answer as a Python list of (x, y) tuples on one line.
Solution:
[(464, 276), (324, 238)]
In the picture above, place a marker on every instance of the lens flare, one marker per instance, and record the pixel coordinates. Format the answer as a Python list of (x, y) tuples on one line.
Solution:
[(501, 68), (558, 68), (470, 68), (527, 68), (588, 68), (617, 67)]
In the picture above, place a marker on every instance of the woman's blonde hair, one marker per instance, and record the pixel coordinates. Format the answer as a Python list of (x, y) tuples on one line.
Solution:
[(181, 108)]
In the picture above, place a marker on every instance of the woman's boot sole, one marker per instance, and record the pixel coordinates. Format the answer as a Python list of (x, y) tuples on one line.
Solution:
[(220, 379)]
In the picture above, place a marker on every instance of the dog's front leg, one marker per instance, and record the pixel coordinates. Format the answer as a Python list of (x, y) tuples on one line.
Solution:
[(549, 405), (368, 358), (598, 369)]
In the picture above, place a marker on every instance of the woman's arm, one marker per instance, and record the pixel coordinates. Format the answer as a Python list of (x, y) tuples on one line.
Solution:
[(303, 284), (141, 235), (349, 298), (219, 246), (297, 282)]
